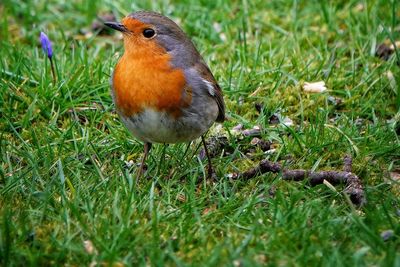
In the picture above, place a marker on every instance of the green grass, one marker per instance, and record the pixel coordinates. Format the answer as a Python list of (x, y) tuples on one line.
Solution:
[(63, 173)]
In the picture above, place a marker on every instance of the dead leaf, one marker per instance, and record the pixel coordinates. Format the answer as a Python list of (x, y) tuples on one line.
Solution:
[(392, 80), (288, 122), (181, 197), (395, 175), (329, 185), (260, 258), (395, 46), (89, 248), (258, 90), (359, 7), (209, 209), (314, 87)]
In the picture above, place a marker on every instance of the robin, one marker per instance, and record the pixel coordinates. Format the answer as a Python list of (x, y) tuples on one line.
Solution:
[(163, 90)]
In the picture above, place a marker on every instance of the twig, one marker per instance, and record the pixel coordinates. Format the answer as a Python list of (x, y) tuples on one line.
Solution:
[(264, 167), (353, 188), (347, 163)]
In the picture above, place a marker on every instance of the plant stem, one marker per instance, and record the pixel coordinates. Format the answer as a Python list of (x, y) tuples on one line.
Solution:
[(52, 70)]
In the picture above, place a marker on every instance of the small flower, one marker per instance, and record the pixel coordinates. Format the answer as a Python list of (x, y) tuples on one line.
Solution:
[(46, 44)]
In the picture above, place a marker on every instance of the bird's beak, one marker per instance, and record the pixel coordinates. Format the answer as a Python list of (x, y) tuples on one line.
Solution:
[(116, 26)]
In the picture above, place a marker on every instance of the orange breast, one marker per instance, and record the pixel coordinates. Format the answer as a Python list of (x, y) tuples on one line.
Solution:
[(145, 79)]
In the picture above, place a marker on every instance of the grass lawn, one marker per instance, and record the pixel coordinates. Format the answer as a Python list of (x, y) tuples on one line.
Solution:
[(68, 192)]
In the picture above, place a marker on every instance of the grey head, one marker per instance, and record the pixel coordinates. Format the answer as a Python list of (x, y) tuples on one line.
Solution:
[(171, 37)]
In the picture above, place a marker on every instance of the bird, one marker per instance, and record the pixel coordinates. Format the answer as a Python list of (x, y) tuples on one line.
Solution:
[(162, 89)]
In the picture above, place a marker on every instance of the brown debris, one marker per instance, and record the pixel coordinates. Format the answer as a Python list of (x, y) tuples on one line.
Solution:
[(383, 51), (220, 144), (209, 209), (272, 191), (274, 119), (255, 131), (259, 107), (336, 101), (347, 163), (262, 144), (239, 130), (353, 188), (215, 145), (386, 49), (181, 197)]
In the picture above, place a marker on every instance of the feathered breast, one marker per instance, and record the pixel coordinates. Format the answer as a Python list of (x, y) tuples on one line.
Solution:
[(144, 79)]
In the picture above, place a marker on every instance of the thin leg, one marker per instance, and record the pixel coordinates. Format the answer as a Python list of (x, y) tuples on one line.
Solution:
[(147, 147), (210, 172)]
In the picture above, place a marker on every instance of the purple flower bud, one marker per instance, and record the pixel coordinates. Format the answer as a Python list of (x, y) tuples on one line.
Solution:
[(46, 44)]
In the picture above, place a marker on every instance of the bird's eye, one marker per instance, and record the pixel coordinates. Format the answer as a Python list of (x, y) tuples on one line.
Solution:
[(148, 33)]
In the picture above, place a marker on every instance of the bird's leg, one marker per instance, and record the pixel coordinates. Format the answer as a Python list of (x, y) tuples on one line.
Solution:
[(210, 173), (147, 147)]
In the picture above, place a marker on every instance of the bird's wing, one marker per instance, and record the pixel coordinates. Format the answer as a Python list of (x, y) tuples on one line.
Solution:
[(213, 88)]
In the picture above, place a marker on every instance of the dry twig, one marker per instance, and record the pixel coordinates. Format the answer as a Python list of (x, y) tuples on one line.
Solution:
[(353, 184)]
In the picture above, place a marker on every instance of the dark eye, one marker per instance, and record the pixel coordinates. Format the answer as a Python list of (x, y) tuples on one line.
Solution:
[(148, 33)]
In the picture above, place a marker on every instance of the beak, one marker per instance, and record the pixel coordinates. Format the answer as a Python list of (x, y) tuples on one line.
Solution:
[(116, 26)]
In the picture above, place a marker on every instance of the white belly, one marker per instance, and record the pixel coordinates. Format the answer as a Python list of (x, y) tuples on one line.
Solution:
[(158, 127)]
